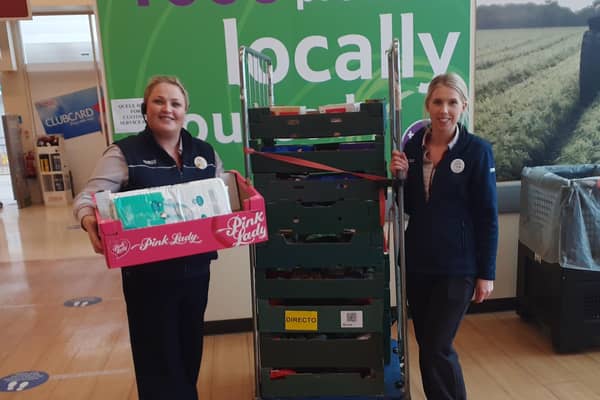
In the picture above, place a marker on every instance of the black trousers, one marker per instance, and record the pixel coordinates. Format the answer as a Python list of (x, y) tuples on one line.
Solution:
[(166, 327), (437, 305)]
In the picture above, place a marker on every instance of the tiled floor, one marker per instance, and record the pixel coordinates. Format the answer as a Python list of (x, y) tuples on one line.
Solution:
[(45, 259), (40, 233)]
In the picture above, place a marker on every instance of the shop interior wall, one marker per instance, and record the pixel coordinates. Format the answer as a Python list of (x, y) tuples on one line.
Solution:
[(506, 261)]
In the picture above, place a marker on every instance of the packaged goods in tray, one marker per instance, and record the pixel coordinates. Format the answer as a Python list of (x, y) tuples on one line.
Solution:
[(288, 110), (339, 108), (169, 204)]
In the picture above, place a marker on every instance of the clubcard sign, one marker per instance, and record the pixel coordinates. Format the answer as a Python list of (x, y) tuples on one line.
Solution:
[(315, 62), (71, 115)]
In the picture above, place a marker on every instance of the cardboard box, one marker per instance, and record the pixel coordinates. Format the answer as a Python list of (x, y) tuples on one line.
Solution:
[(246, 225)]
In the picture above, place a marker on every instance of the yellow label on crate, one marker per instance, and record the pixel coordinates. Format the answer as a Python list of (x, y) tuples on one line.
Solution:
[(301, 320)]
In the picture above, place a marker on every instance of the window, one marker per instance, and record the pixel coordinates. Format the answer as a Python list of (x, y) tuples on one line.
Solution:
[(57, 39)]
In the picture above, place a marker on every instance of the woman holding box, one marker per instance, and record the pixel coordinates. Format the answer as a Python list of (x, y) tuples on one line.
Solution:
[(452, 233), (165, 300)]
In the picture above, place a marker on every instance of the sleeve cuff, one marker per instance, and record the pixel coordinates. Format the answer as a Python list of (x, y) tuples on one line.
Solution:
[(82, 212), (487, 276)]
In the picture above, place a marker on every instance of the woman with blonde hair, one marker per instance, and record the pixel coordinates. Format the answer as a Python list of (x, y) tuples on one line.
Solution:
[(452, 233), (165, 300)]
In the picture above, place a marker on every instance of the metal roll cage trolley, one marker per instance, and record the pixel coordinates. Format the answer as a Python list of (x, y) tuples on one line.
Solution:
[(257, 91)]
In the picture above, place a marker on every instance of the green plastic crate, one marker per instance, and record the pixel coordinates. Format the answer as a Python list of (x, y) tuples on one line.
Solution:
[(369, 120), (322, 384), (366, 161), (279, 284), (321, 352), (315, 187), (360, 250), (323, 216)]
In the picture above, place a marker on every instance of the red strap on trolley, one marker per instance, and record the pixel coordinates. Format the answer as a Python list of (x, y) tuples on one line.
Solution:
[(325, 167)]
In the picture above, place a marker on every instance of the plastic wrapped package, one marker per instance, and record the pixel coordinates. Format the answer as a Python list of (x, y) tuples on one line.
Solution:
[(171, 204)]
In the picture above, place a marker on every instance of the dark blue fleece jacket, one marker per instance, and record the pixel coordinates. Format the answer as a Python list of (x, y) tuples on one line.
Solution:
[(455, 233), (149, 165)]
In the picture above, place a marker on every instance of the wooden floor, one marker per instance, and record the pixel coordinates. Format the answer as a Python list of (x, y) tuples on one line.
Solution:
[(85, 350)]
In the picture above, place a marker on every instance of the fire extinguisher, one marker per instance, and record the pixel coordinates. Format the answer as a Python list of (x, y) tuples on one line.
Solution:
[(30, 165)]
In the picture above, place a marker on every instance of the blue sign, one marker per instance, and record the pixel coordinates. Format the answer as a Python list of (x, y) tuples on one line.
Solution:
[(22, 381), (82, 301), (71, 115)]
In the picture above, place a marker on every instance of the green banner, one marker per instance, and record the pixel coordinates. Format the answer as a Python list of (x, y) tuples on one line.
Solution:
[(324, 52)]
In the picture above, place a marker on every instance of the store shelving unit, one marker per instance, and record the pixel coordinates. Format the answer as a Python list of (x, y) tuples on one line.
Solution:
[(53, 171)]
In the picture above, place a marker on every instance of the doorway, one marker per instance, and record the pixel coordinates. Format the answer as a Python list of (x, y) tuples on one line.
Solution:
[(58, 60)]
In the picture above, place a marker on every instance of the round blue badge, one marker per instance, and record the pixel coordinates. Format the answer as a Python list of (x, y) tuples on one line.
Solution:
[(22, 381), (82, 302)]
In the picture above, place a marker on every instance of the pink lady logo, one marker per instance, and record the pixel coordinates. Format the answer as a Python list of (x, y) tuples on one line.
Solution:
[(175, 239), (241, 230), (120, 248)]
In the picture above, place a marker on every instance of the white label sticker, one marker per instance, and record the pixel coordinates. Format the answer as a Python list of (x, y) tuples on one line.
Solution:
[(351, 319)]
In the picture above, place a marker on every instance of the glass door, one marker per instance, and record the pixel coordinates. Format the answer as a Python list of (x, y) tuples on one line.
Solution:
[(6, 192)]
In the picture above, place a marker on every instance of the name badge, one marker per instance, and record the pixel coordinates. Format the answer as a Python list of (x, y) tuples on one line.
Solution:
[(457, 166)]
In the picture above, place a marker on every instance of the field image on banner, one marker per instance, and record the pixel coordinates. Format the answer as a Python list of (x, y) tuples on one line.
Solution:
[(537, 79)]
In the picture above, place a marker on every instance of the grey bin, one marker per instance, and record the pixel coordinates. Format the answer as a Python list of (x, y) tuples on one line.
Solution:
[(560, 214), (558, 272)]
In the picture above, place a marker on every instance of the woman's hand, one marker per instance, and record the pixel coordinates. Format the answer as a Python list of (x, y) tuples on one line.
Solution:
[(398, 163), (90, 224), (483, 290)]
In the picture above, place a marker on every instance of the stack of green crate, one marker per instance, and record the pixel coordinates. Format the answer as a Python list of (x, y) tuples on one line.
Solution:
[(322, 279)]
